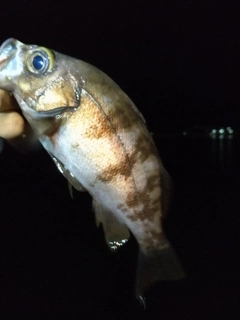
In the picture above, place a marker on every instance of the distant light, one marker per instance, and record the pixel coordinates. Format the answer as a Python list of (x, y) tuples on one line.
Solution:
[(221, 131), (184, 133), (213, 133), (229, 130)]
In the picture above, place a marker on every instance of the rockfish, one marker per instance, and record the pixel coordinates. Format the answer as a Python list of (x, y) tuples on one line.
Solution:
[(99, 141)]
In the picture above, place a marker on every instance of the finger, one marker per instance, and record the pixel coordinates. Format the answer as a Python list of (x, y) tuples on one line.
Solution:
[(7, 101), (12, 125)]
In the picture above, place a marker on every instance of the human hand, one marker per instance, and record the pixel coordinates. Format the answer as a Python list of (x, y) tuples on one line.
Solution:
[(12, 124), (14, 127)]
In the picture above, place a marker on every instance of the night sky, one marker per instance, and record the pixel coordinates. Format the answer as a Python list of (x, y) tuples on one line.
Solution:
[(179, 57)]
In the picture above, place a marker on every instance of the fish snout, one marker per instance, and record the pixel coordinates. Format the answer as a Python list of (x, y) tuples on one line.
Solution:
[(10, 64), (6, 50)]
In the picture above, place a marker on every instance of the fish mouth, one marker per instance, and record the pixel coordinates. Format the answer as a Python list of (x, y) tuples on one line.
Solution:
[(2, 62), (9, 66), (7, 50)]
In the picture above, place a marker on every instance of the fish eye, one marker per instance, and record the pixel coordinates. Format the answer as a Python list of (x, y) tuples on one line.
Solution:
[(41, 61)]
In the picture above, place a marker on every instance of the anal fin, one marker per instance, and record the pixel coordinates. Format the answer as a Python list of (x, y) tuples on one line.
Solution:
[(116, 233)]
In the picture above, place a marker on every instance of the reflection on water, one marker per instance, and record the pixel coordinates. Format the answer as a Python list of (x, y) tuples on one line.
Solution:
[(222, 152), (222, 143), (211, 147), (222, 133), (214, 133)]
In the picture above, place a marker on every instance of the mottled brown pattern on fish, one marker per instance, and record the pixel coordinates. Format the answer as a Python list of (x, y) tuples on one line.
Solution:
[(153, 182), (132, 200), (118, 108), (153, 240), (98, 130), (115, 170), (141, 152), (122, 207), (142, 149), (115, 104), (142, 205), (148, 212), (98, 127), (104, 125), (122, 116)]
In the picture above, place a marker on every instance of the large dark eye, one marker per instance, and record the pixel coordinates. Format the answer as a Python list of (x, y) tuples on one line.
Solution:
[(38, 62), (41, 61)]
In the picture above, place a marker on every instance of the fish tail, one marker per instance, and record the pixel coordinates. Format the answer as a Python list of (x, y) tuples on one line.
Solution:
[(157, 265)]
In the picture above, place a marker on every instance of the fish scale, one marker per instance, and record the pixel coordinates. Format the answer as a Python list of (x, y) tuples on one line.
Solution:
[(99, 141)]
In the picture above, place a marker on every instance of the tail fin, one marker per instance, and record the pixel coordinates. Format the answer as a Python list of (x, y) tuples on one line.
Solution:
[(157, 265)]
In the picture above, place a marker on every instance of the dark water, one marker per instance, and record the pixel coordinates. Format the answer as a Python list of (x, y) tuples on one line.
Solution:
[(55, 264)]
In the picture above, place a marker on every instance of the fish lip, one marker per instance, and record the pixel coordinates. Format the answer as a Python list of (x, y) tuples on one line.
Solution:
[(6, 42), (7, 50), (9, 45), (3, 62)]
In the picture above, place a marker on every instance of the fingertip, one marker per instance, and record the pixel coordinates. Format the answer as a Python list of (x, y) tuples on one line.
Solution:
[(12, 125), (7, 101)]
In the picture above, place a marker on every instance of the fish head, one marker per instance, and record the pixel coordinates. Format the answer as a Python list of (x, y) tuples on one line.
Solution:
[(40, 79)]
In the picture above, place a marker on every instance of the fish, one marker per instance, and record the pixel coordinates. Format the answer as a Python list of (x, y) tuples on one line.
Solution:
[(100, 142)]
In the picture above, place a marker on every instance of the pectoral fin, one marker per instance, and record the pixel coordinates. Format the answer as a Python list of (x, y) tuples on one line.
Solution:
[(116, 233), (72, 181), (74, 184)]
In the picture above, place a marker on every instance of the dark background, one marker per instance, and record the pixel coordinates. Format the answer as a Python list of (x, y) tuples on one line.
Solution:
[(180, 57), (179, 63)]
